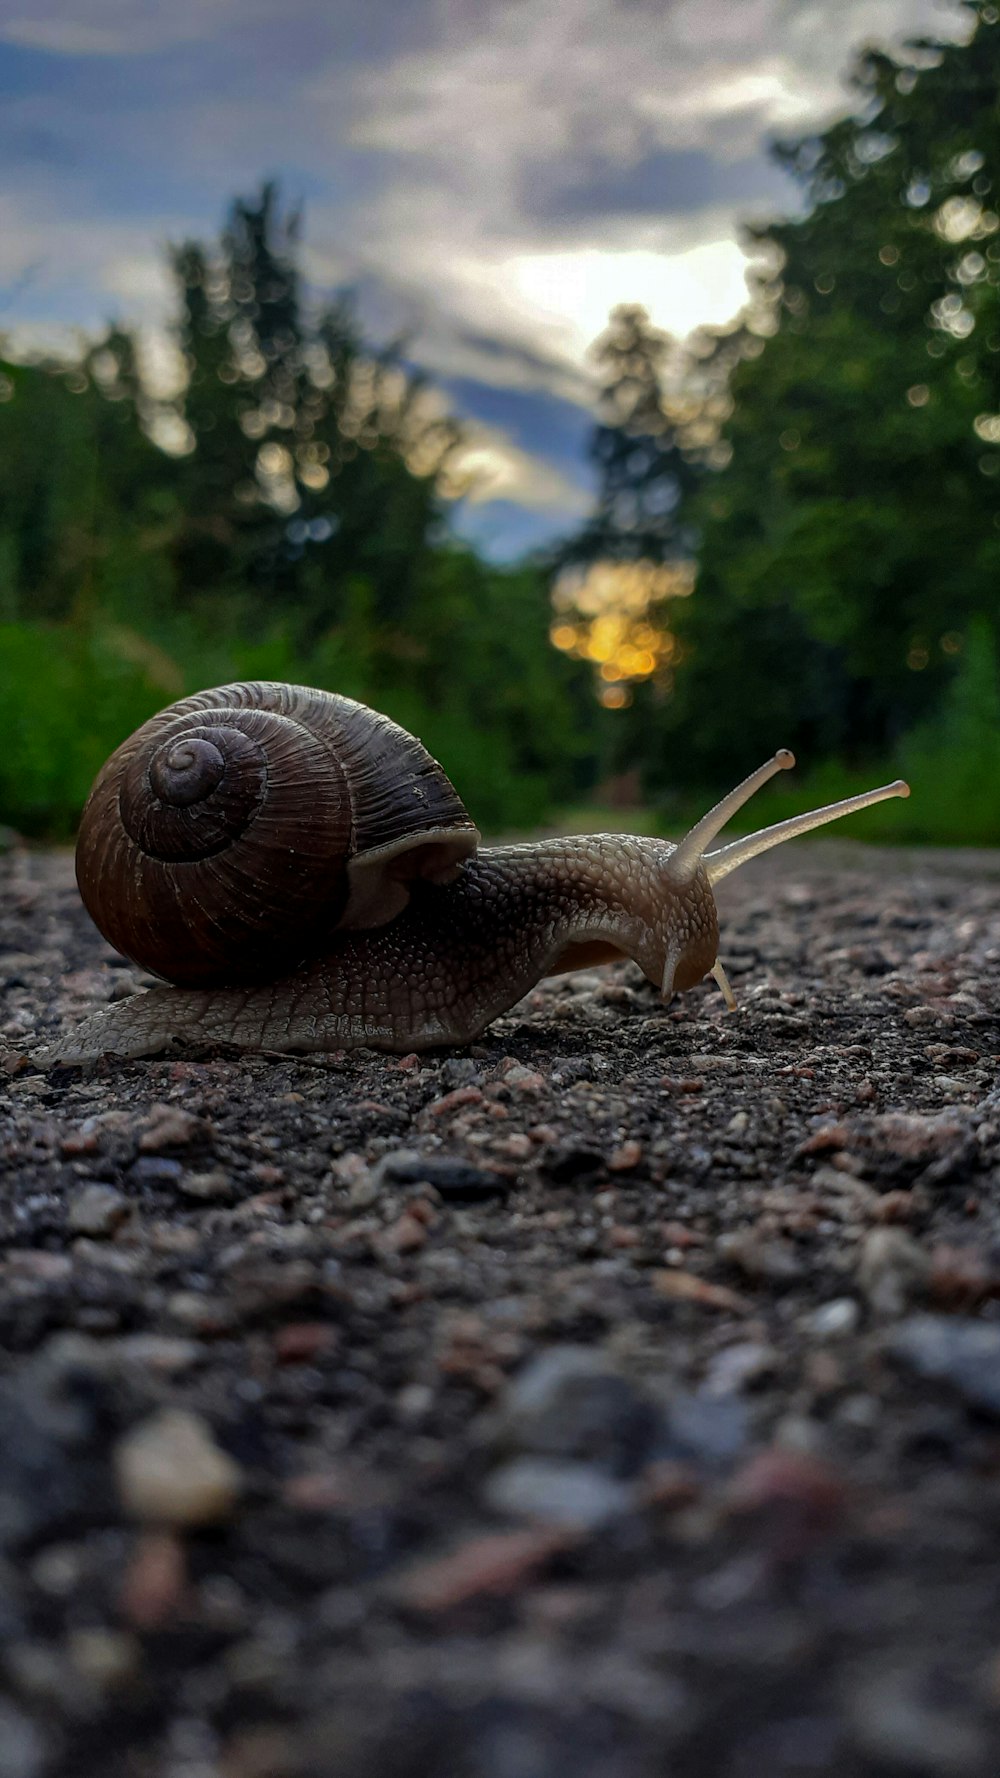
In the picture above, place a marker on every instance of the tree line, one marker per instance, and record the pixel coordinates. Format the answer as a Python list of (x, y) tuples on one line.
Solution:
[(829, 467), (281, 513)]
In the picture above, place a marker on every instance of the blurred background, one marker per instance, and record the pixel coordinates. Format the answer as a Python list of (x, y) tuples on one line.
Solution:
[(610, 393)]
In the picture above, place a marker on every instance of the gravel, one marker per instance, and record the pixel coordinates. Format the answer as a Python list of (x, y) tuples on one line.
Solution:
[(616, 1396), (170, 1471)]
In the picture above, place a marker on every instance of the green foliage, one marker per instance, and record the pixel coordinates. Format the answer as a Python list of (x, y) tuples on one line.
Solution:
[(951, 761), (852, 541), (954, 759), (314, 458), (82, 489), (833, 463), (480, 687), (68, 694), (281, 517)]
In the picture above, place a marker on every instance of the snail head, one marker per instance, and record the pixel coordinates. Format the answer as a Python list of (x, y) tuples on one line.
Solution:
[(690, 931)]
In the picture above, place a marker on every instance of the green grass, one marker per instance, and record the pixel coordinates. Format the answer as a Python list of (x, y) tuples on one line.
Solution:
[(952, 802), (71, 693)]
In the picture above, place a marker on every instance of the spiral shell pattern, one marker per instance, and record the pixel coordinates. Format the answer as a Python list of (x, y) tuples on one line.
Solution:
[(219, 840)]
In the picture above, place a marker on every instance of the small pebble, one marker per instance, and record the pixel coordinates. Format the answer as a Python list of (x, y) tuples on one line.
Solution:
[(170, 1127), (301, 1342), (687, 1287), (155, 1581), (962, 1352), (363, 1191), (215, 1185), (900, 1723), (707, 1429), (155, 1169), (453, 1178), (893, 1270), (737, 1366), (22, 1751), (456, 1100), (625, 1158), (571, 1403), (458, 1071), (496, 1564), (526, 1081), (171, 1471), (98, 1211), (799, 1491), (108, 1658), (834, 1319), (775, 1261), (551, 1492), (405, 1235)]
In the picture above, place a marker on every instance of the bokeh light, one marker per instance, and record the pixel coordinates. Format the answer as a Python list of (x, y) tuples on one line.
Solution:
[(615, 615)]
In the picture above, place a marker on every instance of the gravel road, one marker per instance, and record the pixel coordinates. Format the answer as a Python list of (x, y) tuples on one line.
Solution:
[(617, 1397)]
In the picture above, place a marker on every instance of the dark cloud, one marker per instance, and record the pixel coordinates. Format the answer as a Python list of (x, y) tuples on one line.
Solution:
[(677, 182), (533, 420), (518, 362)]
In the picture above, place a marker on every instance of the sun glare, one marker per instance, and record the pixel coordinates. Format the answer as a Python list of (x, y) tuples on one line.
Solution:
[(680, 291), (614, 615)]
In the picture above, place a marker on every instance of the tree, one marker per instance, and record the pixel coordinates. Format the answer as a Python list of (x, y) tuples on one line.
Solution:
[(615, 579), (637, 448), (312, 459), (83, 490), (282, 517), (855, 534)]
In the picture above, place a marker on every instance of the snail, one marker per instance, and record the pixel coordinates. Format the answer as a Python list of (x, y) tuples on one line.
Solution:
[(305, 874)]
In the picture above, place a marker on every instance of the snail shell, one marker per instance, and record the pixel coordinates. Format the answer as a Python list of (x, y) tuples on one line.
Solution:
[(235, 827)]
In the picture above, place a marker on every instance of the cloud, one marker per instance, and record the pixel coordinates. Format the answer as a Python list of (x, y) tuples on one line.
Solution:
[(72, 271), (115, 27), (507, 104), (504, 530), (671, 181), (682, 290), (493, 468), (490, 175), (513, 83)]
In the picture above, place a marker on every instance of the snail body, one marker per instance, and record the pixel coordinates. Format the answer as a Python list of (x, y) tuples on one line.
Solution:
[(305, 874)]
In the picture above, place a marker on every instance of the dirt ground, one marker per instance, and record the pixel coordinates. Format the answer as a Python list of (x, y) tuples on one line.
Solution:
[(617, 1397)]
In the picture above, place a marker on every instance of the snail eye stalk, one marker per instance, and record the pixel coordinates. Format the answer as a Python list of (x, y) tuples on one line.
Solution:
[(690, 853), (729, 858)]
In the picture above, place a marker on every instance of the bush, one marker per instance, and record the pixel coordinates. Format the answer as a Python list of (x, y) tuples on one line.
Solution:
[(72, 692), (953, 761), (952, 765)]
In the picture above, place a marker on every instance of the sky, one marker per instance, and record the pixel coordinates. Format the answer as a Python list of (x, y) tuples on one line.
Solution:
[(489, 176)]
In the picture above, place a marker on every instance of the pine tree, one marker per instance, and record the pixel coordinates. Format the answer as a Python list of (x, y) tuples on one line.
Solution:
[(313, 459), (636, 448)]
